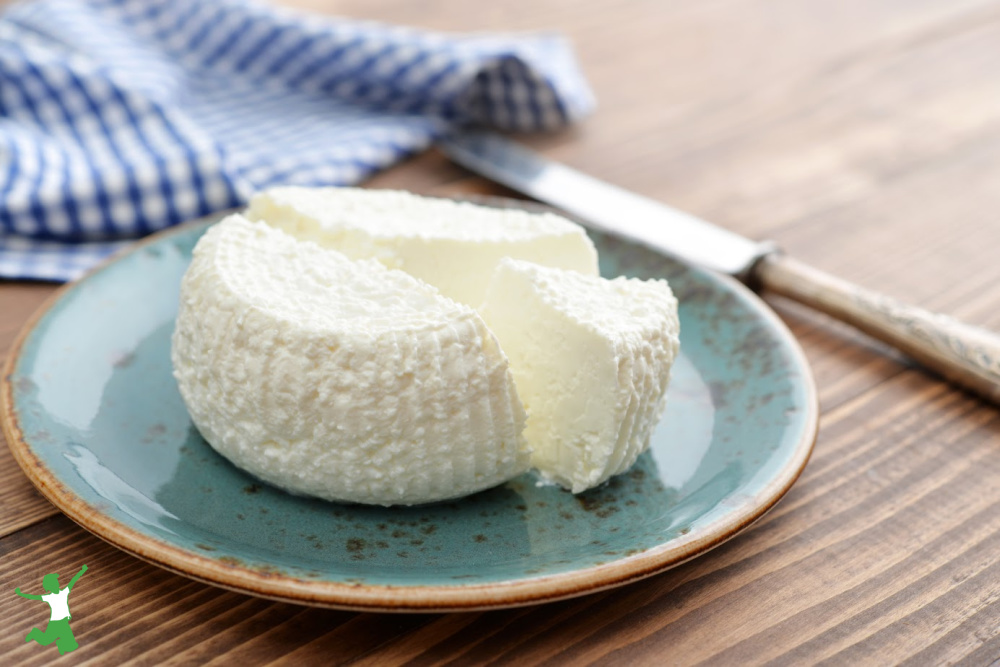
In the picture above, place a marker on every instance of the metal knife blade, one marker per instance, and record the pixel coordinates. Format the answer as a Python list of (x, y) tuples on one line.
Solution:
[(603, 206)]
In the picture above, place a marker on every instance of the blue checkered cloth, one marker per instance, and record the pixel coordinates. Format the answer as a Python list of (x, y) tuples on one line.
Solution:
[(122, 117)]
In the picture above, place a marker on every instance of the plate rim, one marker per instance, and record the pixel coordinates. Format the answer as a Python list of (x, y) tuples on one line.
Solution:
[(401, 598)]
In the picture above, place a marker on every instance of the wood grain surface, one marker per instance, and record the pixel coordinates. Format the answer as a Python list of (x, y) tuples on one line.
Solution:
[(861, 135)]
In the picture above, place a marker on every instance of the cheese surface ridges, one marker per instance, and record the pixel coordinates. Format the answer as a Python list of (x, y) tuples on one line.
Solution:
[(338, 378)]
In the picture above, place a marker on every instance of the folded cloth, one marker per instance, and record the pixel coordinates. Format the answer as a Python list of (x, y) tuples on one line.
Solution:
[(122, 117)]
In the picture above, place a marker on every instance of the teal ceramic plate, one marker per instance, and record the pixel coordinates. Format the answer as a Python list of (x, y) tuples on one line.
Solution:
[(94, 418)]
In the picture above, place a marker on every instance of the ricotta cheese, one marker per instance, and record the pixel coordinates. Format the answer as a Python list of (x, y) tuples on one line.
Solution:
[(591, 358), (341, 379), (452, 245)]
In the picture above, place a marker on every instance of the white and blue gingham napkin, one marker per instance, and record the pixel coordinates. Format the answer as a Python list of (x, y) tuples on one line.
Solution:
[(122, 117)]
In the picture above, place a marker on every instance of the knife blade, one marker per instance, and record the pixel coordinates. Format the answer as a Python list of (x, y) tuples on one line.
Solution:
[(605, 207), (967, 356)]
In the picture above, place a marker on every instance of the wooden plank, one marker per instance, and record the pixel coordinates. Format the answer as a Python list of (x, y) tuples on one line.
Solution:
[(20, 504)]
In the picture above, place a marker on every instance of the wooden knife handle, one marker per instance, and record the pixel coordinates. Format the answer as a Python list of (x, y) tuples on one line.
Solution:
[(966, 355)]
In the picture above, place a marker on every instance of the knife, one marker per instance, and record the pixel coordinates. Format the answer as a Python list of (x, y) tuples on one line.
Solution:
[(967, 356)]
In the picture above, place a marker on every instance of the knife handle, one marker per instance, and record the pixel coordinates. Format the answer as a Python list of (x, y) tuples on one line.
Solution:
[(967, 356)]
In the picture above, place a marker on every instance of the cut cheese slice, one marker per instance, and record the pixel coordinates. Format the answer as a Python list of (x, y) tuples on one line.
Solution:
[(341, 379), (591, 358), (452, 245)]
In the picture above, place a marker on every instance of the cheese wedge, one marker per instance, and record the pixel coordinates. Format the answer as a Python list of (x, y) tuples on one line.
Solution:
[(454, 246), (591, 358), (341, 379)]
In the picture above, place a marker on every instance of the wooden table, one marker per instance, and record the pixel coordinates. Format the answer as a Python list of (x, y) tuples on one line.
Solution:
[(863, 136)]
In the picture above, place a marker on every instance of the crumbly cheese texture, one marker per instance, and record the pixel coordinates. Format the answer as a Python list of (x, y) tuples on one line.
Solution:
[(341, 379), (454, 246), (591, 358)]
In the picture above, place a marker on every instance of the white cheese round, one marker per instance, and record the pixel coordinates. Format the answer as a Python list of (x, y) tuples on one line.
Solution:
[(341, 379), (591, 358), (452, 245)]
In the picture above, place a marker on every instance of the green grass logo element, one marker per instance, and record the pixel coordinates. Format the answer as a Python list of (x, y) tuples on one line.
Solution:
[(58, 630)]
